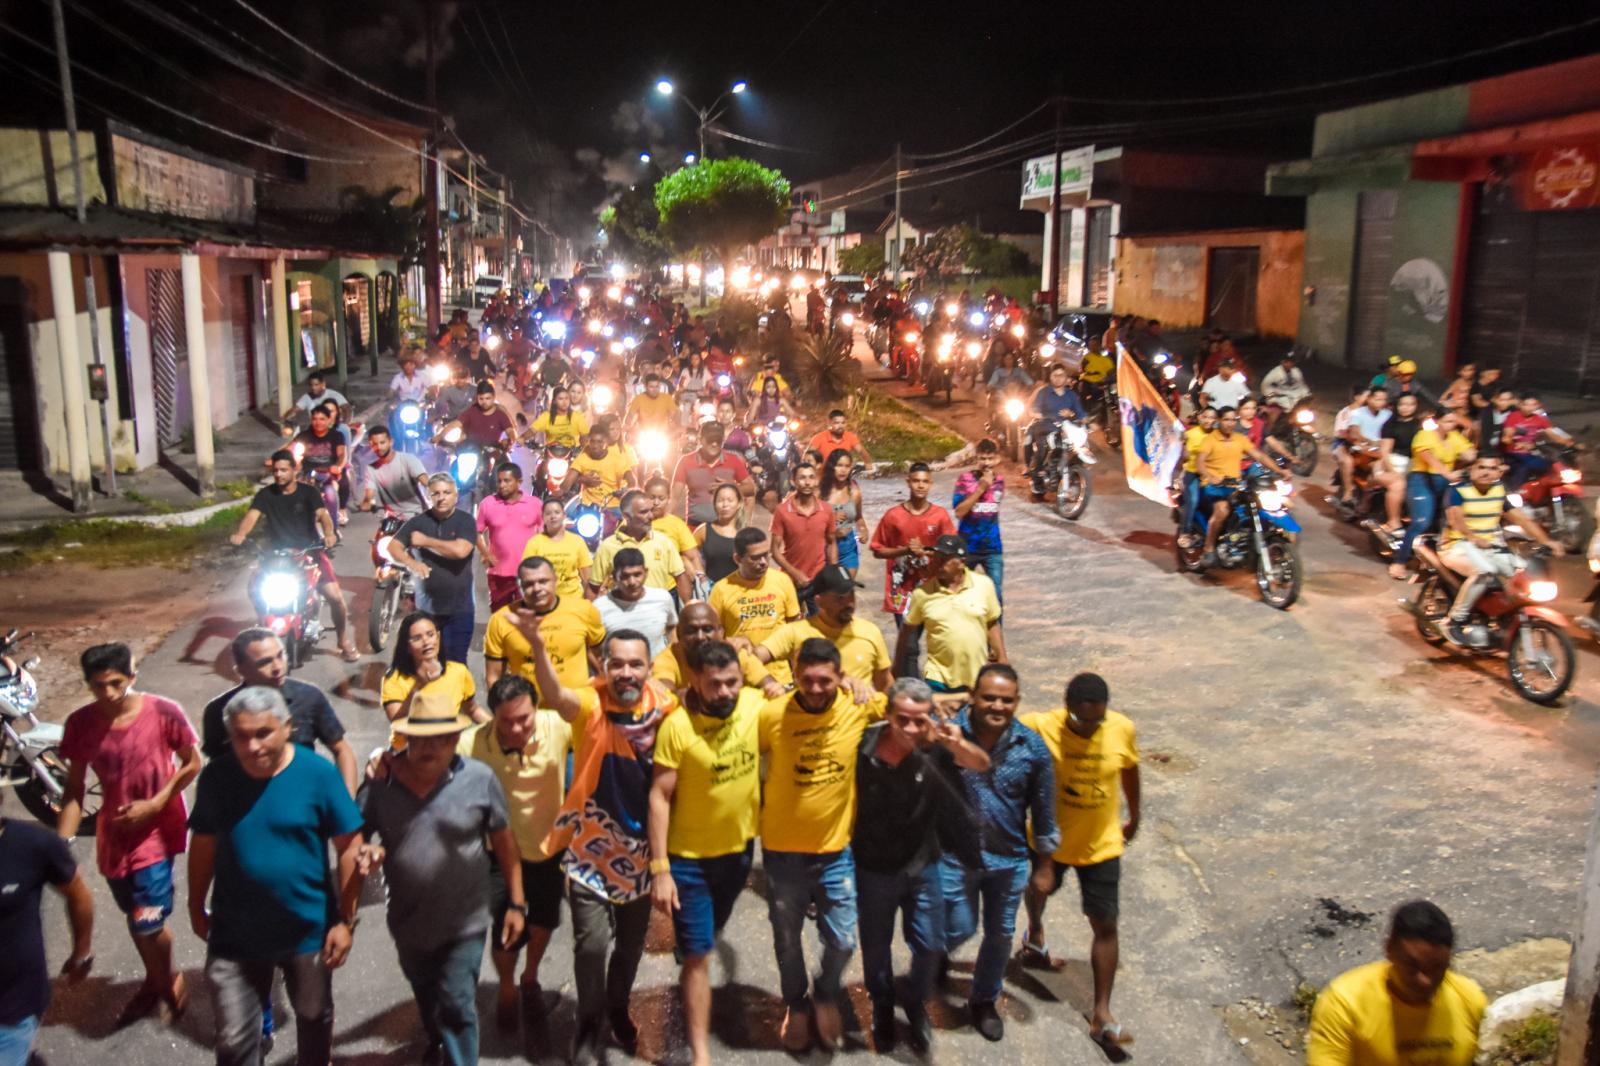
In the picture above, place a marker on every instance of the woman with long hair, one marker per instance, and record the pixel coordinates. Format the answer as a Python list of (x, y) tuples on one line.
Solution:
[(840, 491), (716, 536), (560, 423), (769, 405), (416, 665), (694, 380)]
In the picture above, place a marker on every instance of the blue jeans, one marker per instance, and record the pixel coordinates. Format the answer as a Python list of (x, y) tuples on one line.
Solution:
[(1520, 466), (707, 892), (1423, 492), (993, 564), (1190, 500), (16, 1041), (455, 635), (794, 881), (445, 981), (998, 889), (918, 899)]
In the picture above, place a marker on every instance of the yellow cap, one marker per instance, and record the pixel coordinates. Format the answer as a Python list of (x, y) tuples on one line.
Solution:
[(1405, 366)]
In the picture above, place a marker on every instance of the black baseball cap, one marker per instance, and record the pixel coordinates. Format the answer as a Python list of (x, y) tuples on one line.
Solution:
[(836, 579), (950, 544)]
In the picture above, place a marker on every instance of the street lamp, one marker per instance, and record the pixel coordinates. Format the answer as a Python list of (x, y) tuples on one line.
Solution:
[(664, 87), (689, 158), (705, 116), (738, 87), (644, 157)]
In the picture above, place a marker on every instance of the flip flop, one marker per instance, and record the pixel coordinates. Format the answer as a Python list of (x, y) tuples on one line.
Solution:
[(1112, 1036), (350, 655)]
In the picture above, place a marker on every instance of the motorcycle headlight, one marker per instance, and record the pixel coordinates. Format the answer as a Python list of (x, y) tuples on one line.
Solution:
[(1169, 372), (628, 301), (608, 330), (614, 293), (1571, 476), (601, 397), (1160, 359), (594, 325), (586, 357), (706, 412), (1270, 500), (555, 329), (952, 309), (1047, 349), (588, 525), (724, 380), (583, 292), (974, 349), (652, 446), (1019, 331), (280, 590), (466, 465), (617, 348), (439, 372), (913, 337), (1014, 408), (847, 319), (557, 468), (1514, 499), (1542, 591), (410, 414), (977, 319), (923, 307), (779, 438), (1305, 418), (491, 343), (944, 355), (453, 435)]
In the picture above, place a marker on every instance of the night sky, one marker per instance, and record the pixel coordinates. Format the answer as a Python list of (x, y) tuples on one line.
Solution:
[(560, 95)]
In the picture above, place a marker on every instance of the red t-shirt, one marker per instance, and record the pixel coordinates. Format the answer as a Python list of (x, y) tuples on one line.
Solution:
[(897, 529), (484, 430), (701, 479), (133, 763), (1525, 430), (805, 537)]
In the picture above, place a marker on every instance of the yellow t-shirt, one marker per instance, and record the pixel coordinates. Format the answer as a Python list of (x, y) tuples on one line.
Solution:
[(568, 555), (717, 803), (755, 611), (613, 467), (534, 779), (1224, 457), (1444, 452), (670, 668), (676, 530), (662, 562), (456, 680), (1357, 1022), (1096, 367), (810, 802), (860, 643), (653, 410), (569, 630), (1192, 438), (1088, 782), (567, 430), (956, 623)]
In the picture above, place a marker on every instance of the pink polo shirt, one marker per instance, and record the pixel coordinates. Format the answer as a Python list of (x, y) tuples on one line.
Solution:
[(509, 527)]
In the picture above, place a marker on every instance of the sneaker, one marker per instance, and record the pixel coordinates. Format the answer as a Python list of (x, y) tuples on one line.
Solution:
[(883, 1025), (795, 1033), (986, 1019), (1454, 634), (830, 1027), (920, 1039)]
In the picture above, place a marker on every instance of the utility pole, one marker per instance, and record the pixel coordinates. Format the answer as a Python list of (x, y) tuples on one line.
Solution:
[(505, 220), (431, 221), (894, 253), (1580, 1007), (1053, 253), (69, 106)]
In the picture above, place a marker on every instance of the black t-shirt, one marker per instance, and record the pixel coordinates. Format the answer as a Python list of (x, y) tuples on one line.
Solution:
[(448, 589), (554, 370), (291, 516), (899, 809), (320, 452), (30, 858), (1401, 431), (311, 718), (480, 369)]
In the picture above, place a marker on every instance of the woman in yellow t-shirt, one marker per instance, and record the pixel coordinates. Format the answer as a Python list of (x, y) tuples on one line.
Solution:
[(1192, 439), (559, 423), (1435, 450), (416, 665)]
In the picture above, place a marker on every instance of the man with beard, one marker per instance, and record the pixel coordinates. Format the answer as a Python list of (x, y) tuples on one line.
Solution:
[(705, 799), (602, 827)]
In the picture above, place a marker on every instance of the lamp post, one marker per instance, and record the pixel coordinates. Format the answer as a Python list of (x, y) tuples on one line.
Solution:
[(704, 116)]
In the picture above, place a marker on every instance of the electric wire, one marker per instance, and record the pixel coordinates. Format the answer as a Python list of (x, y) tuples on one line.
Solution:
[(981, 140)]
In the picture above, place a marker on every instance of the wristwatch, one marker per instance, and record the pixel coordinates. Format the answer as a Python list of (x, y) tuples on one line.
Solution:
[(351, 922), (520, 908)]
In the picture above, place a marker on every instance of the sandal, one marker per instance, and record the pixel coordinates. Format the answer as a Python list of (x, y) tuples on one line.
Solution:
[(350, 654), (1038, 957), (1112, 1036)]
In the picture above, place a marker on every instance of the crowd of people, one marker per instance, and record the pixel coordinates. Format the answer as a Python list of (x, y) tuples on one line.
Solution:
[(641, 715)]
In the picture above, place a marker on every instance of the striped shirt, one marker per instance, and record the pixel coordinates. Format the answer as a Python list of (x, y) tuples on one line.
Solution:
[(1480, 509)]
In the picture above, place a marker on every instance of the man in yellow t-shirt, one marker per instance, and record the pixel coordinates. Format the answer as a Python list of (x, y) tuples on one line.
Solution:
[(1096, 756), (705, 800), (654, 408), (565, 550), (959, 611), (569, 625), (527, 750), (809, 811), (1409, 1010), (664, 567), (675, 529), (1220, 460), (601, 468), (863, 653), (757, 598), (698, 623)]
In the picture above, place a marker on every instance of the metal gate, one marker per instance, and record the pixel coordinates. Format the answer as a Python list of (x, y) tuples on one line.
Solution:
[(1369, 311), (1231, 275), (168, 349), (1097, 258), (242, 326), (19, 408), (1533, 297)]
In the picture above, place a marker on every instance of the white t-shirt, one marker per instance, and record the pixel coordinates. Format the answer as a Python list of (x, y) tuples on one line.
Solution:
[(1226, 392), (412, 388), (654, 615), (309, 403)]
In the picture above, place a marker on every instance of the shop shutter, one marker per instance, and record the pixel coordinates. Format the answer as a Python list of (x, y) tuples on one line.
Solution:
[(1374, 267), (168, 350)]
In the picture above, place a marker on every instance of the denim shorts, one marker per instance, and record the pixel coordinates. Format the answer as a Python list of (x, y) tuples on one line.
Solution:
[(707, 891), (145, 896)]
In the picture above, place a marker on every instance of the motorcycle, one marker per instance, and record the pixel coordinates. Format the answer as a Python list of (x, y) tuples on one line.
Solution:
[(409, 427), (1258, 532), (1366, 507), (1303, 443), (1103, 408), (1006, 411), (938, 373), (772, 459), (1064, 468), (284, 591), (552, 472), (1555, 499), (1512, 616), (393, 586), (30, 750)]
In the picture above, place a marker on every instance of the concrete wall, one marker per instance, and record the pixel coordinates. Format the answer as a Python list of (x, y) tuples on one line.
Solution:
[(1424, 264), (36, 167), (1166, 277), (1400, 121), (1328, 272)]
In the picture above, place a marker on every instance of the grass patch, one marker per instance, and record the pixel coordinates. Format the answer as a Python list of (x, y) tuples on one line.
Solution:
[(149, 504), (1304, 998), (112, 544), (1531, 1043), (896, 434), (239, 488)]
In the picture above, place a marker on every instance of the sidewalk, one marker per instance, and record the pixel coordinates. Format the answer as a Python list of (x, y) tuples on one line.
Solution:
[(170, 485)]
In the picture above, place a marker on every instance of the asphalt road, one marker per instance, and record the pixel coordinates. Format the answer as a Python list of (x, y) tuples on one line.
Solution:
[(1324, 754)]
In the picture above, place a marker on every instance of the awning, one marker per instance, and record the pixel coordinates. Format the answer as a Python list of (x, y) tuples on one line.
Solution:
[(1467, 156), (1302, 177)]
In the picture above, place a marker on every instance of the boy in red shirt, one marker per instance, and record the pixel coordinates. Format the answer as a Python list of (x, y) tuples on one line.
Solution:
[(904, 536)]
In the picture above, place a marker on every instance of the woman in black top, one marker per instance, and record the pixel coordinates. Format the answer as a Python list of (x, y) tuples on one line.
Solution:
[(716, 536), (1398, 432)]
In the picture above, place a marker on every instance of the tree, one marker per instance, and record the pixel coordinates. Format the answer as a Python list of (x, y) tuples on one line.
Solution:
[(721, 205), (865, 259), (993, 257), (940, 255), (633, 228), (395, 227)]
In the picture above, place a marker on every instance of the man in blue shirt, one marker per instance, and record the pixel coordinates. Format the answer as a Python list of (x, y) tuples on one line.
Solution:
[(1020, 782), (1055, 401), (979, 493)]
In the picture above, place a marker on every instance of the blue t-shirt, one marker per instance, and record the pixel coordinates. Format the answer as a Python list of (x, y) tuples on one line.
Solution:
[(272, 896), (980, 526), (1047, 404)]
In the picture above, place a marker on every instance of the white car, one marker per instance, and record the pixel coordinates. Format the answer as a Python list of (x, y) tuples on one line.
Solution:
[(485, 288)]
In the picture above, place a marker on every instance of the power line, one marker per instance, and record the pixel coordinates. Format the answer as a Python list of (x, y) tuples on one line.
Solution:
[(720, 132), (982, 140)]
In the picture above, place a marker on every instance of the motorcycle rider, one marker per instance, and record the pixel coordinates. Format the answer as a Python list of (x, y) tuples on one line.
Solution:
[(323, 454), (1521, 435), (734, 436), (1285, 384), (1193, 437), (478, 364), (1365, 429), (1220, 458), (295, 514), (1395, 460), (601, 468), (1053, 402), (455, 397), (395, 480), (485, 424), (317, 393), (1473, 544), (408, 384)]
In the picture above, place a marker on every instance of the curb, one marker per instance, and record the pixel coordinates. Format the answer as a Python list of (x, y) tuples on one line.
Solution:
[(176, 519)]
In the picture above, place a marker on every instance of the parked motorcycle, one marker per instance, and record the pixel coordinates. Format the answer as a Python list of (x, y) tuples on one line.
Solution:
[(1555, 499), (30, 750), (1064, 468), (1259, 532), (394, 592), (1511, 617), (284, 591)]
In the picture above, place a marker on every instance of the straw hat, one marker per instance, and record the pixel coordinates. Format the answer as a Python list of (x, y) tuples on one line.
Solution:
[(434, 712)]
